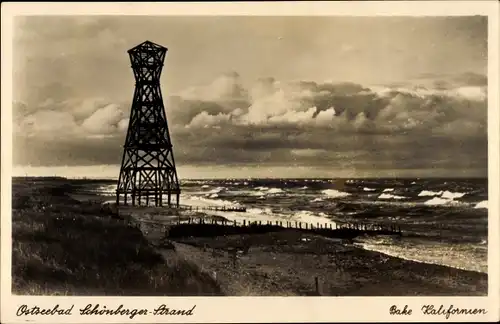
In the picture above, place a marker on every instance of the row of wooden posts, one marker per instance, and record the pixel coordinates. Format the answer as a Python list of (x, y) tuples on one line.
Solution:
[(213, 208), (298, 225)]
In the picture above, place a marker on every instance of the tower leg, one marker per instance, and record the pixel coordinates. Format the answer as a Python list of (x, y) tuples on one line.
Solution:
[(177, 199), (169, 198)]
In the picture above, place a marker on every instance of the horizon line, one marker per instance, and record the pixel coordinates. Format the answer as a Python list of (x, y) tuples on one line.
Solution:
[(256, 178)]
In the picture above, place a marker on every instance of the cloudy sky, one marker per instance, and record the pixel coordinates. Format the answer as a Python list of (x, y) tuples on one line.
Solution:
[(258, 96)]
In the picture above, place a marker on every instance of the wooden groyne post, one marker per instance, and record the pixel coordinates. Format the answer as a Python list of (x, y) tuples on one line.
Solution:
[(318, 228)]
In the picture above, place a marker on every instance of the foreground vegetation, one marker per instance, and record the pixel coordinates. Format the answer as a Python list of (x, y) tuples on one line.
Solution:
[(63, 246)]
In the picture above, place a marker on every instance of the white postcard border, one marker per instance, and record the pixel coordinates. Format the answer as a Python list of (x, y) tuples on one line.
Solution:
[(256, 309)]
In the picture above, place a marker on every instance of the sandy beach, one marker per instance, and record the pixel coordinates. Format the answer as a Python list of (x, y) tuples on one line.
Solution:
[(68, 243)]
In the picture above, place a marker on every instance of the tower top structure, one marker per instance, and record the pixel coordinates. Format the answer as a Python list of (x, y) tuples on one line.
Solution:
[(145, 46)]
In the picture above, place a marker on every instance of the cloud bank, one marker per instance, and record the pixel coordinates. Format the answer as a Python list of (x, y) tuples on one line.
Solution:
[(430, 122)]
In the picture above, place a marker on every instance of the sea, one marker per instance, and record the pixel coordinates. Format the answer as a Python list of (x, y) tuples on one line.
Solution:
[(443, 221)]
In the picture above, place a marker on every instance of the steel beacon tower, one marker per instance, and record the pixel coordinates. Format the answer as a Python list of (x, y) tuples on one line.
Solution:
[(148, 171)]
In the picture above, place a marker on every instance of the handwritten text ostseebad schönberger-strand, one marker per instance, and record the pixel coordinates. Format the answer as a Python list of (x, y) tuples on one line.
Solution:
[(97, 309)]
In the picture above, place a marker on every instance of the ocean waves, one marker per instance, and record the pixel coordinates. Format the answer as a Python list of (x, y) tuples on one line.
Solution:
[(450, 209), (315, 191), (259, 214)]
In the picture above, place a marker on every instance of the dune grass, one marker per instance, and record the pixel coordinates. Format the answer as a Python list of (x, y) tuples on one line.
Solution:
[(63, 247)]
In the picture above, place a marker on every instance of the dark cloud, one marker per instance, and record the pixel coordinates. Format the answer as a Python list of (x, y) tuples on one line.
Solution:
[(278, 123)]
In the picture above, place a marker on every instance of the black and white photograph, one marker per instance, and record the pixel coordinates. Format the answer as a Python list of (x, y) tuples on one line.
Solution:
[(250, 155)]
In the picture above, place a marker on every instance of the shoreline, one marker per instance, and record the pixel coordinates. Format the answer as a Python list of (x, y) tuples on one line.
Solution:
[(357, 245), (201, 250), (360, 245), (342, 270), (238, 218), (418, 261)]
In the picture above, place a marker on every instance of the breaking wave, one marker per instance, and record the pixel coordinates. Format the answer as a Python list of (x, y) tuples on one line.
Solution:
[(255, 193), (307, 216), (482, 204), (427, 193), (216, 190), (332, 193), (107, 189), (202, 201), (436, 201), (447, 198), (452, 195), (260, 211), (389, 196)]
